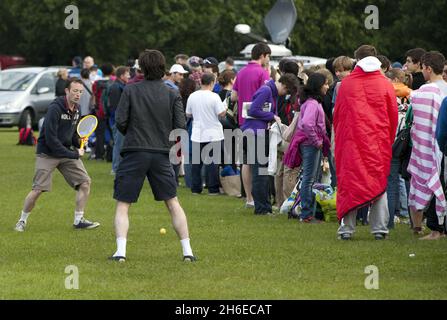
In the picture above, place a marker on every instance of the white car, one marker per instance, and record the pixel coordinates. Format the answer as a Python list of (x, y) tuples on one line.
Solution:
[(25, 94), (279, 52)]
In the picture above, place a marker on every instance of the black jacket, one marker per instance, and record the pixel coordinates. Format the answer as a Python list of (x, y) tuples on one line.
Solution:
[(58, 133), (147, 113), (418, 80), (60, 87)]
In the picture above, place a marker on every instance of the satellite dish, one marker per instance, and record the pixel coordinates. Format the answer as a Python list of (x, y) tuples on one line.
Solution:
[(280, 20)]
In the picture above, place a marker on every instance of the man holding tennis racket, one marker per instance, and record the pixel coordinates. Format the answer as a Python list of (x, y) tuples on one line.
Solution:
[(58, 147)]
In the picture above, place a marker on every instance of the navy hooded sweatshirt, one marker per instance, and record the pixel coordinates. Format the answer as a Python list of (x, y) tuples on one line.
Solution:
[(58, 134)]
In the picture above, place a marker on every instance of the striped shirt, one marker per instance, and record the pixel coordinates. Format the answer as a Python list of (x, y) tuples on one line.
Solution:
[(426, 157)]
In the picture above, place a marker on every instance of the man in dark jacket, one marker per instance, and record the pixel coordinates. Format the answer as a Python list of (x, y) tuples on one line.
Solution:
[(146, 115), (114, 96), (414, 65), (58, 147)]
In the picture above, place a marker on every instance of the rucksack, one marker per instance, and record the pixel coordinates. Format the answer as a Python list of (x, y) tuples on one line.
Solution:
[(230, 121), (101, 97), (26, 137), (105, 97)]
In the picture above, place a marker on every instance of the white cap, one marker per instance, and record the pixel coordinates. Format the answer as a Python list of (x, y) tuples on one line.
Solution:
[(177, 68), (136, 65)]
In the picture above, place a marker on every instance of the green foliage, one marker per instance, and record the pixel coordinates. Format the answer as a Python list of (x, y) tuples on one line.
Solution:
[(114, 30)]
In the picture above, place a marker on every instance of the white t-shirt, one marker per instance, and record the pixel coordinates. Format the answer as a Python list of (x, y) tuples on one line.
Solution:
[(442, 85), (205, 106)]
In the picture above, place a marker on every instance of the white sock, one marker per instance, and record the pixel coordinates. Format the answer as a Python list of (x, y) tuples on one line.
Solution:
[(24, 216), (121, 247), (78, 216), (187, 251)]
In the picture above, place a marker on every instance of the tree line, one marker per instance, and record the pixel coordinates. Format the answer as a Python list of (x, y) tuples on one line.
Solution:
[(115, 30)]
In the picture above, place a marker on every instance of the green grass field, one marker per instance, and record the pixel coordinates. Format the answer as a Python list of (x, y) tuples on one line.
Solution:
[(241, 256)]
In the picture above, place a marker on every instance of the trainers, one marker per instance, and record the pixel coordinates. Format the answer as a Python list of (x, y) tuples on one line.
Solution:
[(20, 226), (344, 236), (250, 205), (380, 236), (189, 258), (214, 194), (263, 213), (85, 224), (118, 259)]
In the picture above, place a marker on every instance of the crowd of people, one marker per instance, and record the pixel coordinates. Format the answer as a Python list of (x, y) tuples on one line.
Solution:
[(377, 129)]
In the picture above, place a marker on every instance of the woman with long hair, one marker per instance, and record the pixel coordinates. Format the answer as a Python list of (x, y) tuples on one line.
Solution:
[(312, 125)]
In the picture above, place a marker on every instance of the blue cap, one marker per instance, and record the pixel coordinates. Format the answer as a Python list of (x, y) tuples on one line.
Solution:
[(397, 65)]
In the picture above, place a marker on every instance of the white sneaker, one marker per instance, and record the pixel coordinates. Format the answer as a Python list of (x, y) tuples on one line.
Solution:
[(250, 205), (85, 224), (20, 226)]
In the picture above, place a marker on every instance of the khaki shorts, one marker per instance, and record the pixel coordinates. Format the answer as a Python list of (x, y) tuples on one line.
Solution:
[(73, 171)]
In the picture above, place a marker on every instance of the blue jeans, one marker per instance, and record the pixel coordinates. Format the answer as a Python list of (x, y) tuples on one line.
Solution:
[(118, 139), (187, 149), (311, 161), (260, 180), (212, 170), (403, 198), (332, 169), (393, 191), (188, 175)]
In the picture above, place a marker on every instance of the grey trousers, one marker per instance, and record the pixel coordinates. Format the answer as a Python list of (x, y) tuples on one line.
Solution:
[(378, 218)]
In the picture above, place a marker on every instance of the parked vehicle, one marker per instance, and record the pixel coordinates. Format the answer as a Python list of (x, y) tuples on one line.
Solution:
[(278, 52), (10, 61), (25, 94)]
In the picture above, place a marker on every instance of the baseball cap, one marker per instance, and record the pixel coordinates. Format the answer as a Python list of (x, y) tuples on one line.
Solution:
[(177, 68), (195, 61), (211, 60)]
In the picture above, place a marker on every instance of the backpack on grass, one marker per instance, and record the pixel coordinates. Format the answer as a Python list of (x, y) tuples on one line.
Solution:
[(26, 137)]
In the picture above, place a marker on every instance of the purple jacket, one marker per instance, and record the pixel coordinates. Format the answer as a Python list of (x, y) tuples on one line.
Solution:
[(265, 94), (312, 122), (292, 157)]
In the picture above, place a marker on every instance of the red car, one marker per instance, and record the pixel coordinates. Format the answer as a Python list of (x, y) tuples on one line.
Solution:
[(10, 61)]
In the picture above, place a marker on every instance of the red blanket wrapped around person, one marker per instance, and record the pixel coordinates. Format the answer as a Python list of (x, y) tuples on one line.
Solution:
[(365, 122)]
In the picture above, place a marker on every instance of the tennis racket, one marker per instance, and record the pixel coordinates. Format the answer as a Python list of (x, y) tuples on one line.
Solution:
[(86, 127)]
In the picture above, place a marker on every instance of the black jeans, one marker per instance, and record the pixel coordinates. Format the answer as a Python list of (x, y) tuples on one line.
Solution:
[(100, 133), (430, 214), (212, 170), (260, 178)]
